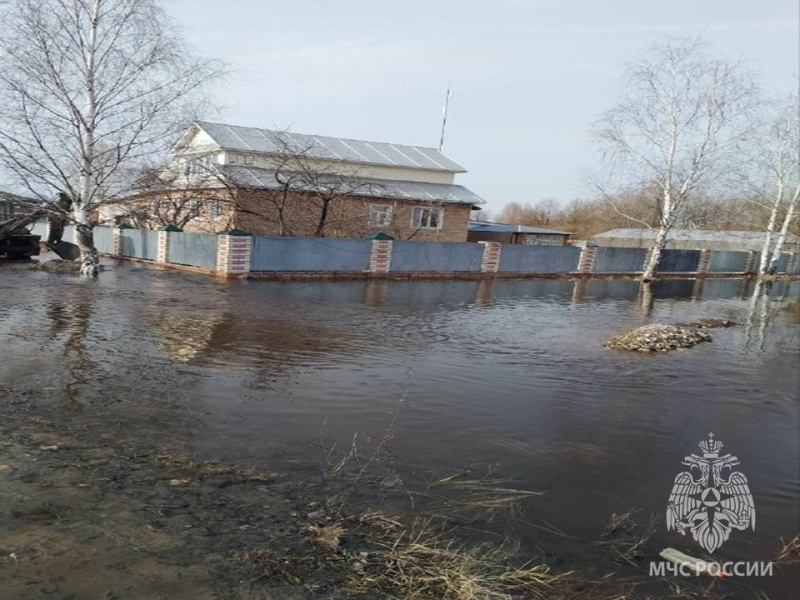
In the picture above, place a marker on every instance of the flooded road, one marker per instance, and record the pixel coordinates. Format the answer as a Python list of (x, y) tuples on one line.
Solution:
[(504, 379)]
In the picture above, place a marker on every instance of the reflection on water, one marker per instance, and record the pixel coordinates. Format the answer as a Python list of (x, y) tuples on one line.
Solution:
[(507, 374)]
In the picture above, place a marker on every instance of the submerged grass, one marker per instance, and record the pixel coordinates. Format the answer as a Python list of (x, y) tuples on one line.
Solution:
[(626, 537), (790, 551), (424, 562)]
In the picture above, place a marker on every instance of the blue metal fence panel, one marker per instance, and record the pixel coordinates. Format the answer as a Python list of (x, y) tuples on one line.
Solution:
[(194, 249), (436, 256), (723, 261), (272, 253), (539, 259), (783, 262), (679, 261), (69, 233), (140, 243), (103, 239), (619, 260)]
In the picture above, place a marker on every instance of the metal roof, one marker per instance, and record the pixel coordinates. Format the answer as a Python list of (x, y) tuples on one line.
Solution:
[(255, 177), (695, 235), (267, 141), (510, 228)]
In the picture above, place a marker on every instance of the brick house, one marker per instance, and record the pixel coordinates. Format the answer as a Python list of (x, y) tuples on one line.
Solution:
[(277, 183)]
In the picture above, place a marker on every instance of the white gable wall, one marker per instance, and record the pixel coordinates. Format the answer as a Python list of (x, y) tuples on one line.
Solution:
[(202, 143), (265, 161)]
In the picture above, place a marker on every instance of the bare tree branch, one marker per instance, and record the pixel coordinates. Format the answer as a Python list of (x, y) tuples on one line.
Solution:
[(89, 90)]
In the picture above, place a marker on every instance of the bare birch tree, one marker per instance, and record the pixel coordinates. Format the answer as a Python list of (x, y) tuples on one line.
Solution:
[(676, 130), (87, 88), (777, 187), (168, 196), (308, 191)]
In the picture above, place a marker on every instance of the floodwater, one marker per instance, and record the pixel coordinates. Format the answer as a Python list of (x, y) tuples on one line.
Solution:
[(507, 379)]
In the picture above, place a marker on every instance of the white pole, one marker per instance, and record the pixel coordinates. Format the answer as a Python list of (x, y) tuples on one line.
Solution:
[(444, 114)]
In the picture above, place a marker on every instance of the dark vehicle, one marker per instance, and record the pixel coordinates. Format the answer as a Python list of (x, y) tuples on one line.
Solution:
[(16, 240)]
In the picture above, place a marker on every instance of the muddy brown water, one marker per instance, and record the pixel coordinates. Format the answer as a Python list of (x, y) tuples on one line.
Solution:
[(504, 381)]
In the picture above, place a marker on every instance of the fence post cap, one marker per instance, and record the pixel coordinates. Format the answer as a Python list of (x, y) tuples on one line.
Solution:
[(170, 227), (239, 232), (380, 235)]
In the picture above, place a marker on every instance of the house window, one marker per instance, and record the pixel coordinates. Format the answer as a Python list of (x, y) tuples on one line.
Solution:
[(194, 208), (380, 215), (427, 218), (249, 159), (214, 209)]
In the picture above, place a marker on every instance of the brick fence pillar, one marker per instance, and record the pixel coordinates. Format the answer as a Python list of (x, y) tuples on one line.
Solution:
[(233, 255), (704, 261), (380, 257), (116, 246), (490, 261), (750, 265), (791, 264), (586, 260), (162, 252)]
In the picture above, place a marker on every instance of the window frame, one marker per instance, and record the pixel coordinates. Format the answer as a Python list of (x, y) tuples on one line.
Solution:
[(214, 209), (418, 223), (383, 209)]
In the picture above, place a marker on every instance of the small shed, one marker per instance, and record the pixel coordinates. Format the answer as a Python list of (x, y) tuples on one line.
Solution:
[(507, 233), (692, 239)]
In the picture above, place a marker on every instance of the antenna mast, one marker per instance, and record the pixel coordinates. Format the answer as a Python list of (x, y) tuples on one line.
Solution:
[(444, 114)]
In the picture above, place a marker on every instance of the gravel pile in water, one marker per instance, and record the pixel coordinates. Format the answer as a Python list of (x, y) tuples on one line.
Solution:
[(658, 338)]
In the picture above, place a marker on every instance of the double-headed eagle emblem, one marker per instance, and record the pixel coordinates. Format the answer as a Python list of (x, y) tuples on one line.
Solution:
[(710, 499)]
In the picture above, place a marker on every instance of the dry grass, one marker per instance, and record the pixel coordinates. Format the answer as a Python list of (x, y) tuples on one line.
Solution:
[(424, 563), (265, 560), (328, 536), (210, 468), (378, 520), (790, 552)]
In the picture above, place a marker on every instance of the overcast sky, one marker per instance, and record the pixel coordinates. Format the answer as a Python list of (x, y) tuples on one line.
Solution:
[(529, 76)]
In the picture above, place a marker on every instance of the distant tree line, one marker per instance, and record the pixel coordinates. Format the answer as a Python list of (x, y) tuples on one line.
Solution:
[(587, 217)]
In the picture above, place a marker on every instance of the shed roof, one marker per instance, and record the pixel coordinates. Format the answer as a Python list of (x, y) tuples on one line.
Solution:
[(254, 177), (267, 141), (694, 235), (511, 228)]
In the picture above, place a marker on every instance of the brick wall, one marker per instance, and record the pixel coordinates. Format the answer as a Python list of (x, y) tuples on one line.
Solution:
[(260, 213)]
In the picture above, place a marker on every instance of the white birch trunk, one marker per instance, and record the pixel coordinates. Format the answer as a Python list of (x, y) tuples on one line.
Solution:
[(781, 241)]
